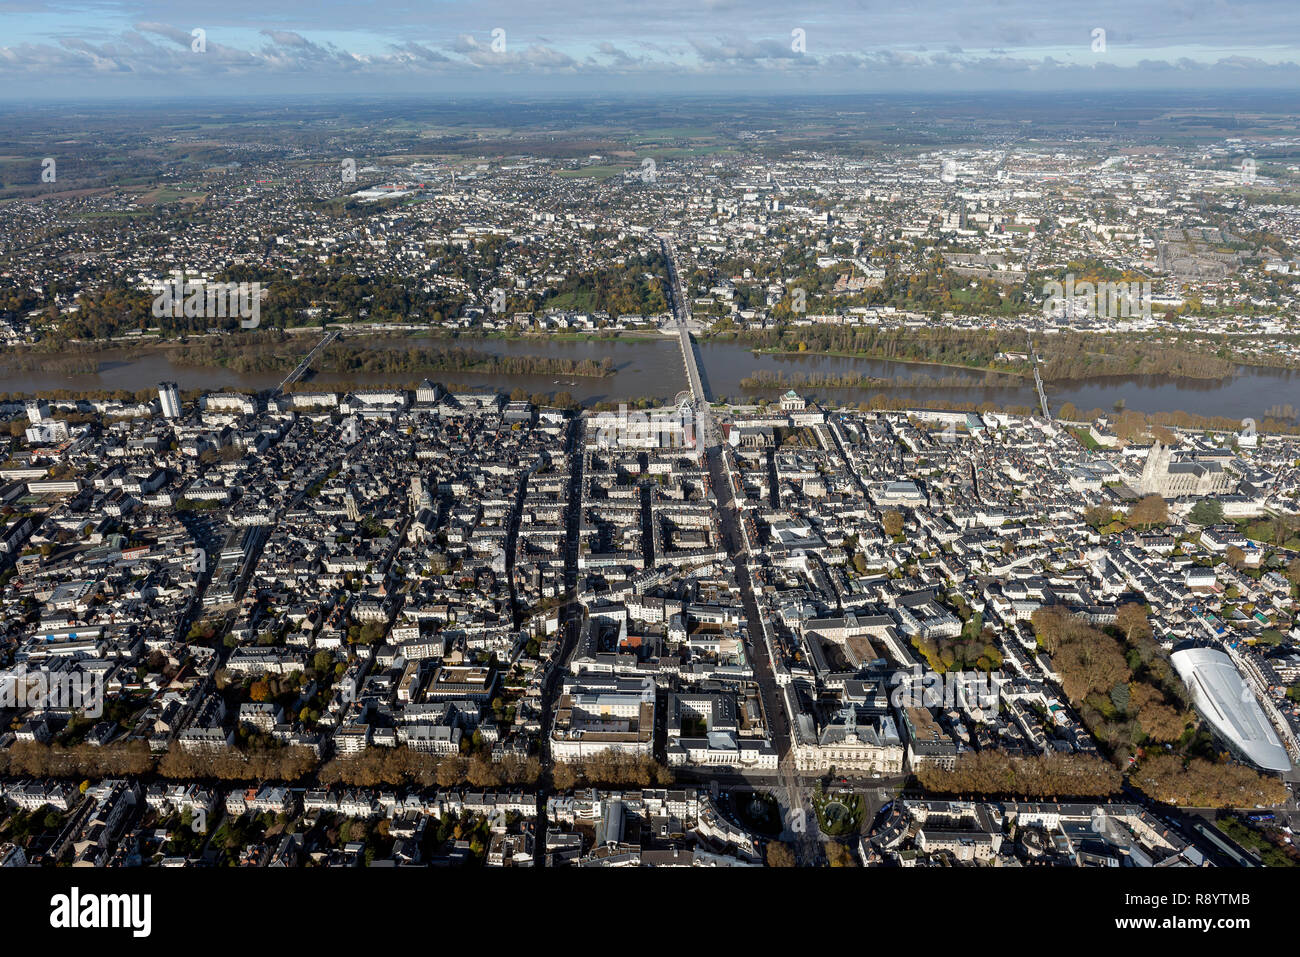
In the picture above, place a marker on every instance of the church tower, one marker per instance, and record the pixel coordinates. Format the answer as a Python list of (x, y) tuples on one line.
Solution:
[(1155, 473)]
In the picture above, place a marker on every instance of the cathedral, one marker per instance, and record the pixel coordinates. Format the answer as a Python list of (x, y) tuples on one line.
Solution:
[(1172, 479)]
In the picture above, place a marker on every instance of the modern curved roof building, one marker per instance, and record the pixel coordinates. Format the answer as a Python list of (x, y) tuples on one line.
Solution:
[(1223, 699)]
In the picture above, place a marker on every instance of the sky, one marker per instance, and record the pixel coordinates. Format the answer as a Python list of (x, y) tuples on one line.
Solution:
[(108, 48)]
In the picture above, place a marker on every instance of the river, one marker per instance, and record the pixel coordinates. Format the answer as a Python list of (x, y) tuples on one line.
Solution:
[(653, 368)]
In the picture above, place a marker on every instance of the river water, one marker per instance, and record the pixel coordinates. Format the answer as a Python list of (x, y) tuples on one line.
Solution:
[(653, 368)]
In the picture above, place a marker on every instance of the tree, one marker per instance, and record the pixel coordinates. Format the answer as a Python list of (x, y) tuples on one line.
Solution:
[(779, 854), (1293, 571), (1089, 665), (482, 773), (1161, 723), (565, 776), (1053, 625), (892, 521), (451, 771), (1202, 783), (839, 856), (1151, 510), (1207, 511), (1234, 556), (1132, 620), (1098, 515), (1040, 776)]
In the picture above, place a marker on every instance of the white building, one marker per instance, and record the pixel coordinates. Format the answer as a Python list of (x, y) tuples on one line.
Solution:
[(169, 394), (604, 713)]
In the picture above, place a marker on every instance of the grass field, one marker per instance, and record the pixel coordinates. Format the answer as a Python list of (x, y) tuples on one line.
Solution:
[(1086, 440), (580, 301)]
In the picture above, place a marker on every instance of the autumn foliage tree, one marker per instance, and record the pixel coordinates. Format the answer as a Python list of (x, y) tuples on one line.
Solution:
[(1148, 511), (28, 758), (1158, 721), (779, 854), (1042, 776), (1202, 783), (1125, 689), (1132, 620), (610, 768), (838, 855), (1090, 665), (233, 764)]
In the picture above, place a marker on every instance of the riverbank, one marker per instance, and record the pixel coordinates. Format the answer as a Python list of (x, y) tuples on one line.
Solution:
[(1027, 375), (637, 366), (1064, 356), (761, 380)]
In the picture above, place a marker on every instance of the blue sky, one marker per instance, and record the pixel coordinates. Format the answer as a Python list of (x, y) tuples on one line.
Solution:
[(110, 48)]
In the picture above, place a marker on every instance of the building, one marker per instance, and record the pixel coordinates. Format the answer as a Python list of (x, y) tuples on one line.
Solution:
[(792, 402), (426, 393), (1223, 698), (844, 742), (604, 713), (1161, 475), (716, 740), (169, 395)]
